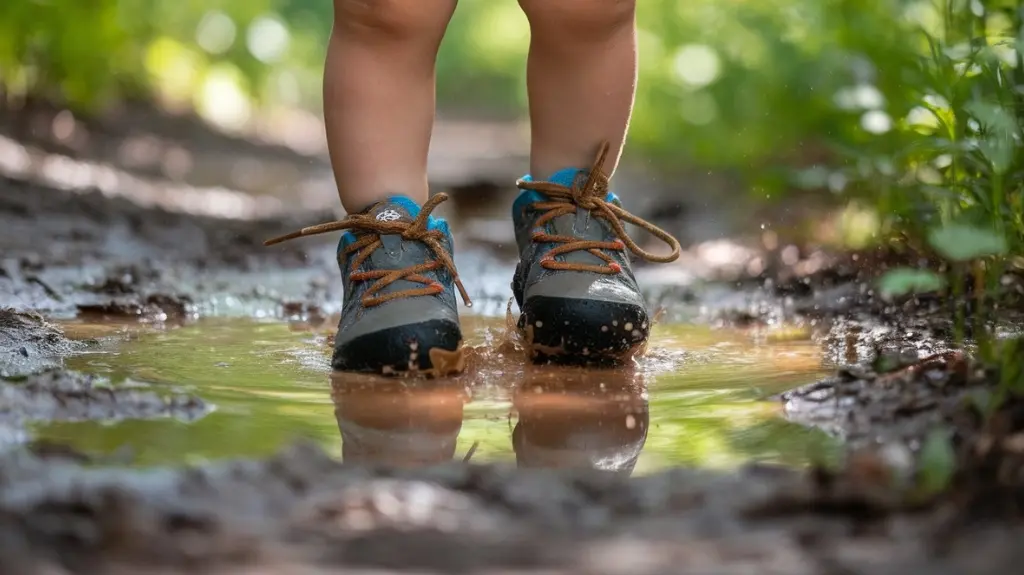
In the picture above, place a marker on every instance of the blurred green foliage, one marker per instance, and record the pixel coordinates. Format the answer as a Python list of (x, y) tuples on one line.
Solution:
[(913, 105)]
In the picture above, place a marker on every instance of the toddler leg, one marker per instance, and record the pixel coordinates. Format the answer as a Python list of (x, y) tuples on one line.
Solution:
[(581, 77), (379, 96)]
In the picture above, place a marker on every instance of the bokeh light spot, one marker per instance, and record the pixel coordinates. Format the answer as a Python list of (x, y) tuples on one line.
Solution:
[(216, 32), (267, 39), (697, 65)]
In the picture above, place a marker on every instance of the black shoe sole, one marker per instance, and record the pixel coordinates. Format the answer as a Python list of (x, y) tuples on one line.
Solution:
[(404, 350), (579, 331)]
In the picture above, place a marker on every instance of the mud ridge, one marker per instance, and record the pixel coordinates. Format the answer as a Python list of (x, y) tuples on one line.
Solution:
[(29, 344), (59, 395), (306, 513)]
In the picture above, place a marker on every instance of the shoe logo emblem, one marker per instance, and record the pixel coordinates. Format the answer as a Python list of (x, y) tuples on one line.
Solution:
[(389, 215)]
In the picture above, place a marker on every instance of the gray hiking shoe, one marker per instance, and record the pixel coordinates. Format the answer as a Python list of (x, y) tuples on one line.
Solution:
[(579, 300), (399, 315)]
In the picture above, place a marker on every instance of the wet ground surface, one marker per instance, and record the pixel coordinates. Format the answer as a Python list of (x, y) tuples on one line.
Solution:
[(134, 340)]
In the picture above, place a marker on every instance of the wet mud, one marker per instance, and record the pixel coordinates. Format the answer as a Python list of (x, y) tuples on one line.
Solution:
[(301, 512), (68, 254), (29, 344), (59, 395)]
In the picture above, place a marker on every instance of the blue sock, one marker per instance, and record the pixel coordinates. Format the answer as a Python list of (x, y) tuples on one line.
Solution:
[(564, 177)]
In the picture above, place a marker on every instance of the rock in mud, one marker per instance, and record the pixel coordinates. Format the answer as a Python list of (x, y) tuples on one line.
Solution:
[(866, 406), (29, 344)]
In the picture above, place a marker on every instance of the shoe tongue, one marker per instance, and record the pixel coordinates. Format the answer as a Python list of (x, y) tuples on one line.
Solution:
[(393, 211), (581, 224)]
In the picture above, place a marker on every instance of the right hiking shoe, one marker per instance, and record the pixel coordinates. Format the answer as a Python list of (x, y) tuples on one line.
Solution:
[(399, 315), (578, 297)]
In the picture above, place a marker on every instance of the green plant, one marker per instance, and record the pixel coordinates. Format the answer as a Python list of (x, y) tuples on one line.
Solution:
[(957, 180), (957, 157), (983, 249), (962, 247), (1011, 371)]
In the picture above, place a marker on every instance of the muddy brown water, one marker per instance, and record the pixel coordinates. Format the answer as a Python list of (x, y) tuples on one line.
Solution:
[(696, 397)]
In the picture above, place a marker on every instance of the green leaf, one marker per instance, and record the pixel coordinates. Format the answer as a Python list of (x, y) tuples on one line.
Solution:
[(992, 116), (958, 6), (903, 281), (937, 462), (1000, 127), (962, 242), (1020, 41)]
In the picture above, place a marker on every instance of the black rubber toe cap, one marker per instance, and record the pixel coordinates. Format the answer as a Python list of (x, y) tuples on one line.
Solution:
[(583, 331), (397, 349)]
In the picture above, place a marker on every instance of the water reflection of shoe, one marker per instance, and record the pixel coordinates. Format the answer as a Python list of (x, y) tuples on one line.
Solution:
[(400, 314), (404, 424), (570, 418), (579, 299)]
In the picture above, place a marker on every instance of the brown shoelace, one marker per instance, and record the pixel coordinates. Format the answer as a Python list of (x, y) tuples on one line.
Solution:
[(589, 194), (369, 230)]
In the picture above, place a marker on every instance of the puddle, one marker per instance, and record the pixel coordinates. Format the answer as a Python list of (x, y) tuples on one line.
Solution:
[(693, 399)]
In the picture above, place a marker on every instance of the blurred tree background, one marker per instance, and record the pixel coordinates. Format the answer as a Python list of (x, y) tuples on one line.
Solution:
[(912, 105)]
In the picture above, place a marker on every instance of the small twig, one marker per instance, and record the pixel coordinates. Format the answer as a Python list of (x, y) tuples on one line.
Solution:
[(472, 450), (948, 357)]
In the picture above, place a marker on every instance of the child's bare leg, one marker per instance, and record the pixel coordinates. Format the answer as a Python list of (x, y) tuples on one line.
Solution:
[(578, 297), (379, 96), (581, 77), (399, 313)]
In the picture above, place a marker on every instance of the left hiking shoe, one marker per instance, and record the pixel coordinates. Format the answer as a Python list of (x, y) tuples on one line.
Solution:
[(399, 316), (579, 300)]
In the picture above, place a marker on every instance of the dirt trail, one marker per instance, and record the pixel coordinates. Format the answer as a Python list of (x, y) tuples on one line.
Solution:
[(66, 254)]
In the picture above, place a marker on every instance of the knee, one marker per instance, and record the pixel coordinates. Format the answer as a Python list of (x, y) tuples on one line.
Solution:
[(401, 19), (580, 18)]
